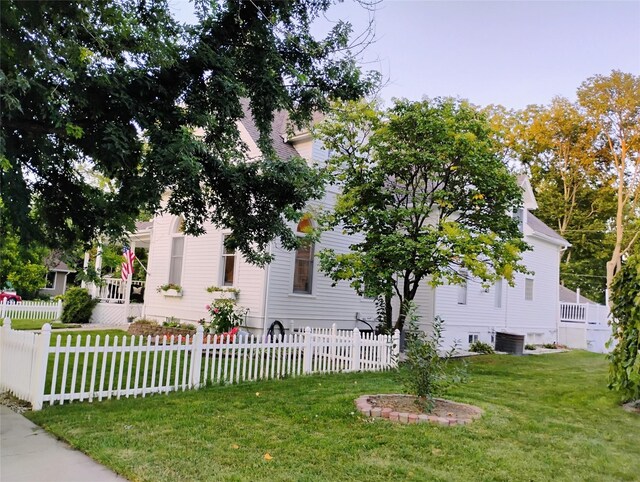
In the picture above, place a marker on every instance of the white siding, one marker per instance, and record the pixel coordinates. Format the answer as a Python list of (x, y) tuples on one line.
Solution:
[(202, 267), (537, 319), (479, 315), (326, 304)]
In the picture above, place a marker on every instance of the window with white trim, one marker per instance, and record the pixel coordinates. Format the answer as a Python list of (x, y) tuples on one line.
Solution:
[(528, 289), (177, 254), (303, 263), (228, 264), (462, 289), (519, 215), (51, 280), (498, 294), (473, 337)]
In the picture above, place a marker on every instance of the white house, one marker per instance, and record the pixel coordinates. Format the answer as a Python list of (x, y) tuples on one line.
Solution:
[(291, 288), (530, 307)]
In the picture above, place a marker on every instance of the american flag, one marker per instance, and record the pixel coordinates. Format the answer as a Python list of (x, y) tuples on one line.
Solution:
[(127, 265)]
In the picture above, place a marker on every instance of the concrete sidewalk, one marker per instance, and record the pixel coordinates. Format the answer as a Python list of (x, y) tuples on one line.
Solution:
[(28, 453)]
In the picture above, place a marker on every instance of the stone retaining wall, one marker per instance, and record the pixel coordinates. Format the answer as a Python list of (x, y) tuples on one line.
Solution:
[(404, 417), (146, 329)]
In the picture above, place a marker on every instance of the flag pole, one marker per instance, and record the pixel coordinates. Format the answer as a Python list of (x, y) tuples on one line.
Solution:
[(141, 265)]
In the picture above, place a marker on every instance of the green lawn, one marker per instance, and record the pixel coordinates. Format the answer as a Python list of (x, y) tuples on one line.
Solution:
[(113, 332), (30, 324), (547, 417)]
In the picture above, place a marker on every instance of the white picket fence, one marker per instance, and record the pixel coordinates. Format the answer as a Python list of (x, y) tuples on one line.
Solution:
[(23, 362), (87, 368), (36, 310)]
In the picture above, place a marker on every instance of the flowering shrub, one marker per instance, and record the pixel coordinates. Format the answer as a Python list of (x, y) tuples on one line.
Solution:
[(225, 316)]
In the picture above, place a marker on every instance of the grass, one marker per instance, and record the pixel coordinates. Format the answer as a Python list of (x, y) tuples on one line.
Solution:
[(84, 333), (32, 324), (547, 417)]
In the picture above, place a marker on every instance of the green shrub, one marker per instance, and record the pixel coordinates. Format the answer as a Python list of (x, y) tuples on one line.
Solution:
[(550, 346), (480, 347), (77, 306), (529, 346), (427, 372), (624, 368), (224, 316)]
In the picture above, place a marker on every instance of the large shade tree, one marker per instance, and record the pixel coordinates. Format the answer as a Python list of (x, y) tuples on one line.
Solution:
[(119, 89), (612, 103), (556, 145), (426, 196)]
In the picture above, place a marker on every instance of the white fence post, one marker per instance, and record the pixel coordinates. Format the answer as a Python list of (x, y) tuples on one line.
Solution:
[(196, 357), (5, 329), (333, 347), (39, 374), (308, 350), (355, 350), (4, 308), (59, 310), (396, 348)]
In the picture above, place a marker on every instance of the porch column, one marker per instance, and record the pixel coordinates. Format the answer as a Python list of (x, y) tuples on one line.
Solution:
[(127, 286), (98, 268), (85, 267)]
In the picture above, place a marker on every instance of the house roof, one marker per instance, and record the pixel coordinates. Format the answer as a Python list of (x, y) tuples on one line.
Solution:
[(540, 228), (570, 296), (529, 198), (142, 225), (57, 265), (283, 149)]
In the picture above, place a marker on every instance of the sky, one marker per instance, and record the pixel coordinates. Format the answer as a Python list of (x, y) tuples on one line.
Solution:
[(512, 53)]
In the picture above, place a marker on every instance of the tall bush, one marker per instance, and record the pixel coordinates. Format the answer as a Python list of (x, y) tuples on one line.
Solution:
[(77, 306), (624, 368)]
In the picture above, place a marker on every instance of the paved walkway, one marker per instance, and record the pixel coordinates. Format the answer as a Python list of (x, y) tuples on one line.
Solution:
[(28, 453)]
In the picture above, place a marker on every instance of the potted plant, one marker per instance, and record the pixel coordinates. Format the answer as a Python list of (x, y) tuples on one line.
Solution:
[(170, 290)]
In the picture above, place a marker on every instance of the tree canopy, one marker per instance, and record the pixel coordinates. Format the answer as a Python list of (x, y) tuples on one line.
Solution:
[(582, 158), (612, 104), (426, 196), (121, 90)]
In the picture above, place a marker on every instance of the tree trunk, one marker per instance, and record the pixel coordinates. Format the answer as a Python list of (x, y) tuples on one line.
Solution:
[(388, 311), (613, 265)]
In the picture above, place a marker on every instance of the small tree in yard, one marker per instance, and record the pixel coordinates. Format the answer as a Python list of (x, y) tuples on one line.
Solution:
[(426, 371), (624, 370), (423, 187)]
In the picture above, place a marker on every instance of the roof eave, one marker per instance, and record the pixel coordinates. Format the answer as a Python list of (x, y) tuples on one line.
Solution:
[(559, 242)]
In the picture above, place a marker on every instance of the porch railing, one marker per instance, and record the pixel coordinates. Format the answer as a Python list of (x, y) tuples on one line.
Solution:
[(113, 290), (583, 313)]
